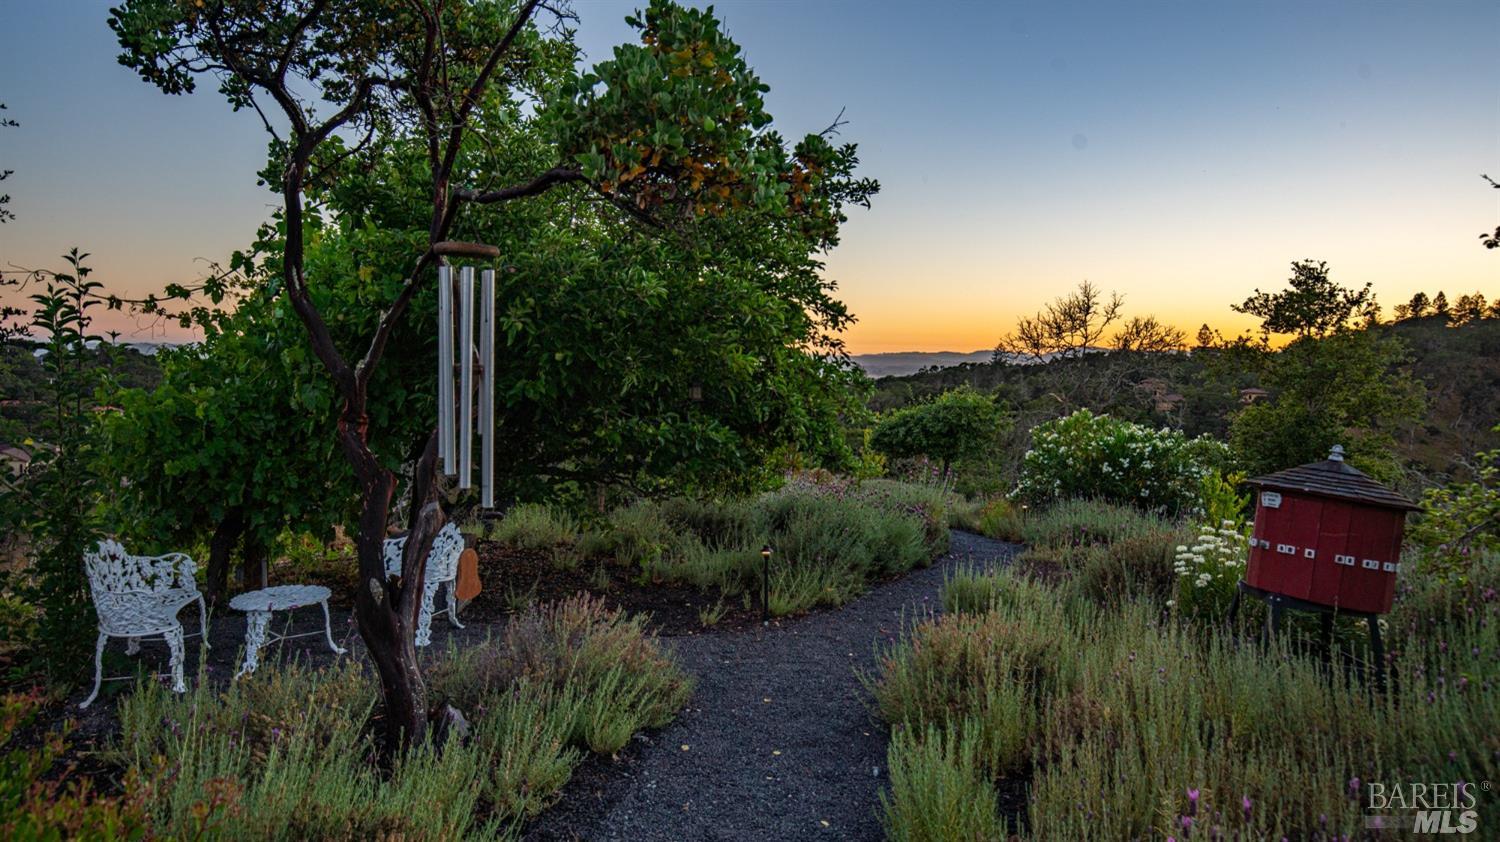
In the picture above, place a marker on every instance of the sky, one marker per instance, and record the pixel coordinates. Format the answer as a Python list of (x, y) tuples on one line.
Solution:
[(1182, 154)]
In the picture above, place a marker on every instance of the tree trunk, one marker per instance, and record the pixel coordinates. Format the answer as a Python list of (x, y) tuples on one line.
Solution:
[(226, 535), (385, 607), (253, 565)]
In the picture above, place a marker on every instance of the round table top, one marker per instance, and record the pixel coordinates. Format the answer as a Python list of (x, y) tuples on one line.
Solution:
[(280, 598)]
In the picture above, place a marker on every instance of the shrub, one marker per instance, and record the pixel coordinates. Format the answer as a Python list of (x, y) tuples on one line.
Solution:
[(290, 753), (956, 424), (1461, 520), (1209, 570), (531, 526), (938, 792), (971, 590), (1139, 565), (1003, 520), (1209, 734), (1097, 456), (36, 805), (830, 537), (1081, 523), (973, 671)]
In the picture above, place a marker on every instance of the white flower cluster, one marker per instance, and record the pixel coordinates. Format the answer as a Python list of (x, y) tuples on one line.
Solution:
[(1218, 555), (1087, 455)]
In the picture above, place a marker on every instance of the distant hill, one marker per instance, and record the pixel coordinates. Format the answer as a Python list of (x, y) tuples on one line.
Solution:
[(899, 363), (1460, 367)]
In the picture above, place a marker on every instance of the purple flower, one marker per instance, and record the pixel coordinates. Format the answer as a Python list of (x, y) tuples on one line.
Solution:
[(1245, 803), (1192, 802), (1353, 788)]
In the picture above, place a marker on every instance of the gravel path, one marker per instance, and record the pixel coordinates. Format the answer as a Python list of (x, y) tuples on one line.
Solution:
[(778, 741)]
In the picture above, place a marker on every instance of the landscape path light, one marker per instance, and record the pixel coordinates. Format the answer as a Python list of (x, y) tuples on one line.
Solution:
[(765, 584)]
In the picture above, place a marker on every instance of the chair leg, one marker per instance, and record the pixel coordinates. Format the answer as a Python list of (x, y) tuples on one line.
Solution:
[(174, 643), (203, 620), (453, 604), (423, 635), (98, 670), (328, 630)]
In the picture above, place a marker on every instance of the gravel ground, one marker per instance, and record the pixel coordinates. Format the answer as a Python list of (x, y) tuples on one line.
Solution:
[(778, 741)]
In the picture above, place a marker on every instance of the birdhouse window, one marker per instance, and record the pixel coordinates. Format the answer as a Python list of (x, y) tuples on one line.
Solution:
[(1346, 560), (1309, 553), (1286, 549), (1372, 564)]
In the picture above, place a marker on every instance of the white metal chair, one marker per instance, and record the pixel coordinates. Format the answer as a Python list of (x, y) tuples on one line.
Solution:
[(442, 567), (140, 596)]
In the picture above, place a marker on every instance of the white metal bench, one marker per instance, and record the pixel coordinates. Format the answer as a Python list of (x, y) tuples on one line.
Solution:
[(140, 596), (442, 568)]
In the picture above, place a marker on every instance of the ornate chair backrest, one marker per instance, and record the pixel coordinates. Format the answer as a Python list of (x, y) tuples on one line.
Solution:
[(111, 570), (442, 561)]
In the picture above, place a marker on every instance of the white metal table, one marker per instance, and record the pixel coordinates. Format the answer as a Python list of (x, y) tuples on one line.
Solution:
[(258, 606)]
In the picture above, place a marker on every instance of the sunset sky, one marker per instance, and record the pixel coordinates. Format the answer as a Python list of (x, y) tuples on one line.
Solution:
[(1179, 153)]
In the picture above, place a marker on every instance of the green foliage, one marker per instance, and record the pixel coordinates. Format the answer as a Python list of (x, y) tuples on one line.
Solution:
[(619, 676), (53, 503), (955, 425), (1461, 520), (1088, 455), (830, 538), (1074, 523), (1219, 498), (533, 526), (1312, 304), (1331, 385), (36, 805), (939, 791), (1003, 519), (973, 674)]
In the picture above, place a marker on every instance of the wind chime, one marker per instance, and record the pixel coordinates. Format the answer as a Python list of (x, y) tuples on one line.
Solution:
[(467, 359)]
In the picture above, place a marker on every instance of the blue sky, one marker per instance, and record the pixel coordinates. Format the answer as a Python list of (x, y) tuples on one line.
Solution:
[(1181, 153)]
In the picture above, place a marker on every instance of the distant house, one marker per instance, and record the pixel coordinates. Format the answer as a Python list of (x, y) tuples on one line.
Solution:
[(14, 459), (1161, 399), (1253, 394)]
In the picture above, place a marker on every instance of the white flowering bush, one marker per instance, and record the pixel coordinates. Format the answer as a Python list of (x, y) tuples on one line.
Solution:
[(1096, 456), (1208, 572)]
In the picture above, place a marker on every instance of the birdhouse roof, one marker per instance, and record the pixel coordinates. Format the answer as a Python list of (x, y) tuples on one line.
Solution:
[(1337, 479)]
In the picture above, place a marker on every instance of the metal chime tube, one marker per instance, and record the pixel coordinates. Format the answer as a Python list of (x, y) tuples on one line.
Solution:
[(445, 368), (487, 389), (466, 377)]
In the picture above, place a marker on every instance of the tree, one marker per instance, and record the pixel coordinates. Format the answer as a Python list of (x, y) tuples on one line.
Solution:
[(1417, 308), (1491, 241), (669, 132), (1312, 305), (1071, 325), (6, 214), (53, 501), (1207, 338), (957, 424), (1146, 334), (1469, 308), (1334, 384), (1440, 304)]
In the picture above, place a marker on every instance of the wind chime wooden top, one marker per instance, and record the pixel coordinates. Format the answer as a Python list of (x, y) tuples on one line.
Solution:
[(468, 360)]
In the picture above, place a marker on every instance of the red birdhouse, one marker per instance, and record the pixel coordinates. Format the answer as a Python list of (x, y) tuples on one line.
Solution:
[(1327, 534)]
